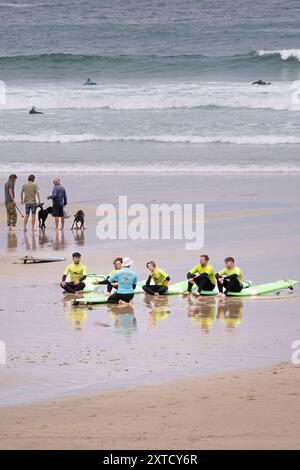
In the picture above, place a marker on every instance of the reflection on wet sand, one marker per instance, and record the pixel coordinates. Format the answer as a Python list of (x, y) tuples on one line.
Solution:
[(78, 234), (158, 309), (204, 312), (12, 240), (231, 313), (29, 241), (123, 318), (59, 241)]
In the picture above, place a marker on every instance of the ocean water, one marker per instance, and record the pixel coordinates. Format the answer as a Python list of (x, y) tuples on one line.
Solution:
[(167, 72)]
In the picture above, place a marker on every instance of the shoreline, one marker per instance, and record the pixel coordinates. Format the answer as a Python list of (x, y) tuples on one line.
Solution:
[(205, 413)]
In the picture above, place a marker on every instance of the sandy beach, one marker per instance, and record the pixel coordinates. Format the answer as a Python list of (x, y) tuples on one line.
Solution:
[(255, 409), (207, 369)]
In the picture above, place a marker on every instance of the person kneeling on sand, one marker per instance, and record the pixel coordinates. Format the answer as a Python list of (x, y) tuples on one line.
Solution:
[(202, 275), (231, 278), (77, 272), (124, 280), (117, 266), (160, 277)]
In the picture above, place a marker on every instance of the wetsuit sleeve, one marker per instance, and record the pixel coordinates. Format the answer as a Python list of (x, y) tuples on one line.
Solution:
[(194, 270), (134, 282), (232, 276), (166, 280), (113, 278), (220, 273), (189, 275), (104, 282), (64, 278), (148, 282), (66, 272)]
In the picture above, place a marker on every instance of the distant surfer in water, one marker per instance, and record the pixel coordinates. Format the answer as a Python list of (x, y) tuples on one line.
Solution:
[(34, 111), (261, 82), (89, 82)]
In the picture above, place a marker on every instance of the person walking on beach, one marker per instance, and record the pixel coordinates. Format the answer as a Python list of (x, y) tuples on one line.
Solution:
[(231, 278), (59, 200), (127, 280), (160, 278), (10, 203), (202, 275), (77, 272), (31, 198)]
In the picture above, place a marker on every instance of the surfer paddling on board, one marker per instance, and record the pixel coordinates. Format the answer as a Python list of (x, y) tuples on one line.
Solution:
[(231, 278), (34, 111), (125, 281), (89, 82), (160, 278), (77, 272), (202, 275), (261, 82)]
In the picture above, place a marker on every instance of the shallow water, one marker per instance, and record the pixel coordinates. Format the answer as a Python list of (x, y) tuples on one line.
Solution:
[(55, 349)]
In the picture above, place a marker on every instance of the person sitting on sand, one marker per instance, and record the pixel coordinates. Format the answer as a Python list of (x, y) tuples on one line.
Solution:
[(202, 275), (34, 111), (118, 265), (160, 277), (124, 280), (261, 82), (77, 272), (230, 278)]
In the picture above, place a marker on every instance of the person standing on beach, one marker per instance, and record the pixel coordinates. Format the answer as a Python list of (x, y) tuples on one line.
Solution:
[(202, 275), (10, 203), (59, 200), (231, 278), (160, 278), (31, 198), (127, 280), (77, 272)]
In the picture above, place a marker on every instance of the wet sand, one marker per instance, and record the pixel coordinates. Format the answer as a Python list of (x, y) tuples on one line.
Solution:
[(257, 409), (55, 350)]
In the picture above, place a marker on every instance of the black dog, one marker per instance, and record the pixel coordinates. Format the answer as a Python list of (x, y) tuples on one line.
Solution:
[(43, 214), (79, 219)]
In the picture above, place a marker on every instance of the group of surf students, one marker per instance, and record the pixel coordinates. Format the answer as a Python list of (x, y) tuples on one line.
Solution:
[(124, 280)]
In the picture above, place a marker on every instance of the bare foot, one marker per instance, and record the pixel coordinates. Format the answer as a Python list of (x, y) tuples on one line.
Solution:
[(186, 293), (196, 294), (156, 294)]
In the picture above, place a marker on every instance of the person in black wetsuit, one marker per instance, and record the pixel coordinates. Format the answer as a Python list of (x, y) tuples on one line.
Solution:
[(34, 111), (261, 82), (117, 265)]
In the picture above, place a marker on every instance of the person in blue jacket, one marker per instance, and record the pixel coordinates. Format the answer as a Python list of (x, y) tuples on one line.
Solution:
[(125, 281)]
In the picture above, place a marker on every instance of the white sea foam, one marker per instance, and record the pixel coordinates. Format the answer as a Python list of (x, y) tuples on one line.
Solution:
[(158, 168), (285, 54), (151, 96), (272, 139)]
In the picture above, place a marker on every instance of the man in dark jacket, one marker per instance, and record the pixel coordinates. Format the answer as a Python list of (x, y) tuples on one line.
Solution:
[(59, 200)]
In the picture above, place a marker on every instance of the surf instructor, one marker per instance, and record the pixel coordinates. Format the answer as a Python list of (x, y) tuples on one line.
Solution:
[(126, 280)]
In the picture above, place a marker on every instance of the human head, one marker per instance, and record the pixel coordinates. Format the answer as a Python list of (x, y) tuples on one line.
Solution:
[(31, 178), (151, 265), (118, 263), (12, 178), (76, 257), (56, 181), (127, 262), (229, 262), (204, 259)]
